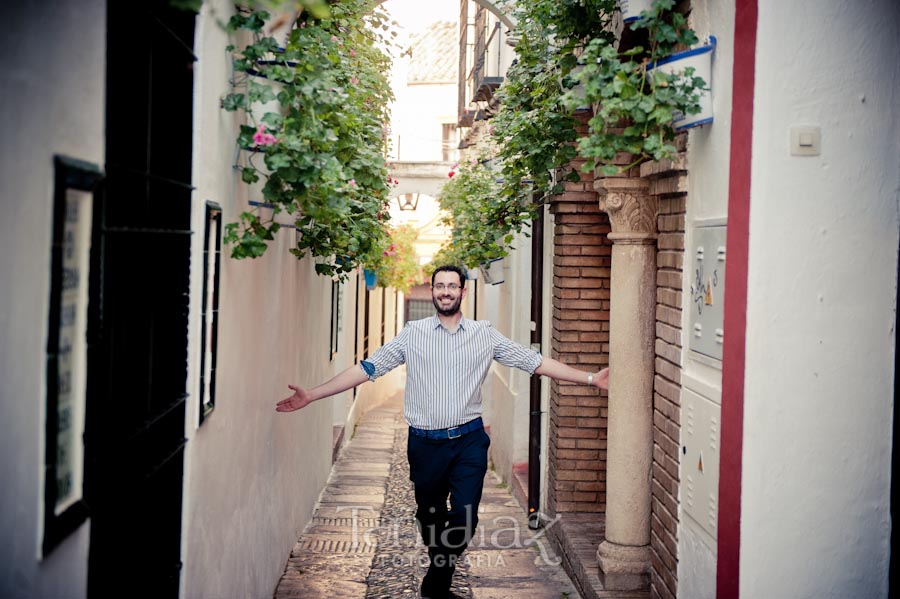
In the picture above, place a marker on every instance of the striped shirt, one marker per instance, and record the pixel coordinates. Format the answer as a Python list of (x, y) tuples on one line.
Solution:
[(445, 369)]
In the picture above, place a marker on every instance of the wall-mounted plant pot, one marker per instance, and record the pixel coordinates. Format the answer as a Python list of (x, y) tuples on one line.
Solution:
[(371, 279), (472, 274), (701, 60), (493, 271), (632, 9)]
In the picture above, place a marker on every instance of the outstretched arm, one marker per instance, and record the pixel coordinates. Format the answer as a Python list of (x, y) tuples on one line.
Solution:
[(559, 371), (301, 398)]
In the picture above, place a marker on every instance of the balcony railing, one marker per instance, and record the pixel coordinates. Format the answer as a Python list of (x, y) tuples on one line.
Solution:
[(485, 76), (480, 45)]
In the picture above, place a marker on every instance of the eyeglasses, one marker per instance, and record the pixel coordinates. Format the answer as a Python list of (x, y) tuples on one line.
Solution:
[(451, 287)]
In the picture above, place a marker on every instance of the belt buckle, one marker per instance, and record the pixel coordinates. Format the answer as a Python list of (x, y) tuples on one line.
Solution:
[(450, 434)]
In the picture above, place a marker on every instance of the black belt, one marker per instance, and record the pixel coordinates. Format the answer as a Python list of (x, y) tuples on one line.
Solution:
[(453, 432)]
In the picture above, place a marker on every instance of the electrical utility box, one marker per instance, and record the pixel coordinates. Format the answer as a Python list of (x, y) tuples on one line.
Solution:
[(707, 290), (701, 419)]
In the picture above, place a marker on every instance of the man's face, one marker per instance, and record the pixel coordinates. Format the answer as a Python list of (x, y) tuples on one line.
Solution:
[(447, 293)]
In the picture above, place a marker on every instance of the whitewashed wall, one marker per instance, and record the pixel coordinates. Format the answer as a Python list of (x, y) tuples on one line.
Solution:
[(708, 158), (52, 103), (369, 394), (252, 475), (506, 390), (341, 404), (821, 294)]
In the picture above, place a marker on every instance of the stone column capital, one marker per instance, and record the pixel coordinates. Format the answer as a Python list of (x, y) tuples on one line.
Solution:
[(632, 210)]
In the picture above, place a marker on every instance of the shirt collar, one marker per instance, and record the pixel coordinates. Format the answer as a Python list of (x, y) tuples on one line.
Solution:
[(436, 322)]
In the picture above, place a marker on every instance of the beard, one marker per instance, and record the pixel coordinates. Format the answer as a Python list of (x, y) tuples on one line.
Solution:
[(452, 309)]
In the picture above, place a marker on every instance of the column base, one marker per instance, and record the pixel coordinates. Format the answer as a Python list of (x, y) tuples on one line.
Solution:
[(623, 567)]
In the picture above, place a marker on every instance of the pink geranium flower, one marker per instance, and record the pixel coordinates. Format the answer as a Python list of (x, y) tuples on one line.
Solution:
[(262, 138), (352, 182)]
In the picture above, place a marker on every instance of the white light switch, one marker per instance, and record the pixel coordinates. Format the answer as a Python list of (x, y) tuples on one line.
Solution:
[(806, 141)]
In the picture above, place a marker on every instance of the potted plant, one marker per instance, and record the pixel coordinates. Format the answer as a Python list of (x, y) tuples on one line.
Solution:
[(632, 9), (371, 278), (635, 104), (318, 145), (696, 62), (535, 130), (399, 267), (483, 219)]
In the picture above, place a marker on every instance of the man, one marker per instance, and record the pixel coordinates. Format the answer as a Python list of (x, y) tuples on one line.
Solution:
[(447, 358)]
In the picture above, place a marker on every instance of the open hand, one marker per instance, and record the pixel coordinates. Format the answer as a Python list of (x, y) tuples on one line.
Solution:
[(601, 379), (300, 399)]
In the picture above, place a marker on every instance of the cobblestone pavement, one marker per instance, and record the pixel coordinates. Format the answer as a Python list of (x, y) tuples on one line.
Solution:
[(362, 542)]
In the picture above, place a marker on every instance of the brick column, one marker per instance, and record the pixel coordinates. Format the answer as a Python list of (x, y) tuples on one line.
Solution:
[(577, 420), (624, 555)]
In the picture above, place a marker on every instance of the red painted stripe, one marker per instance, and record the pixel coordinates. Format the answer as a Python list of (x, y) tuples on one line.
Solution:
[(733, 357)]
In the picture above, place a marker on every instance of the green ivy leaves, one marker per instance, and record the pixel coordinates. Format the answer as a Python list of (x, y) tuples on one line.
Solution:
[(567, 59), (535, 130), (533, 135), (399, 268), (318, 153), (483, 218), (636, 107)]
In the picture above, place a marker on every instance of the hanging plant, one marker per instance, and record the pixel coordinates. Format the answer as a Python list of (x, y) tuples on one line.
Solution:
[(319, 153), (490, 199), (535, 129), (483, 219), (636, 105), (399, 266)]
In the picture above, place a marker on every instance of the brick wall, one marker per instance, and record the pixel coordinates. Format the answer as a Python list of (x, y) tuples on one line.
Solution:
[(668, 181), (580, 338)]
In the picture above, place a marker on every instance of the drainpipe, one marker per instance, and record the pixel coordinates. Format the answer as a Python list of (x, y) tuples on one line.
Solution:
[(534, 421)]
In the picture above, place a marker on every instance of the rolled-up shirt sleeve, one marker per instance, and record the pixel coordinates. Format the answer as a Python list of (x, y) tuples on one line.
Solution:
[(387, 357), (515, 355)]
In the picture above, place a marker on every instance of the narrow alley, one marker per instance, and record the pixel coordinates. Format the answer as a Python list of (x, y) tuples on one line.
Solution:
[(640, 259), (362, 541)]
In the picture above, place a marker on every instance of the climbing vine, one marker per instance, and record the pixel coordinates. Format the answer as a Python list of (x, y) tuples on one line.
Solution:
[(315, 138), (637, 104), (535, 129)]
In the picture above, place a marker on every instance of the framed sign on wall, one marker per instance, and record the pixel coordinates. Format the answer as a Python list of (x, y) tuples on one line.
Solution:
[(74, 214)]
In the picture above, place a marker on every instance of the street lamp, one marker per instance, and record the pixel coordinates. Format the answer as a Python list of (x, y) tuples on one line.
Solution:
[(408, 201)]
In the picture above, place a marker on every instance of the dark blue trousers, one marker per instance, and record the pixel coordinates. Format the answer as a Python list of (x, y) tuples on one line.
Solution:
[(439, 469)]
